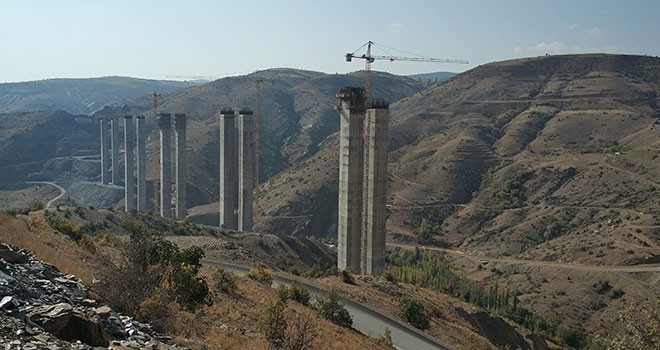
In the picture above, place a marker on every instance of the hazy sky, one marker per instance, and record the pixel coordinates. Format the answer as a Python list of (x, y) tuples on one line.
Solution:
[(157, 39)]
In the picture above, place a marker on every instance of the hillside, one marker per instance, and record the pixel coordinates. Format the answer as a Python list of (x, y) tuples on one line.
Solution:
[(79, 96), (433, 77), (553, 133), (46, 145), (297, 115), (232, 321), (543, 159)]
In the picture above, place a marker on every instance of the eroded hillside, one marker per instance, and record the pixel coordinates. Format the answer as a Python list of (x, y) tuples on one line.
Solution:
[(549, 159)]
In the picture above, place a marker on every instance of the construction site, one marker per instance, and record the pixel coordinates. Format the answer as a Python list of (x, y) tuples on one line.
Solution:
[(362, 168)]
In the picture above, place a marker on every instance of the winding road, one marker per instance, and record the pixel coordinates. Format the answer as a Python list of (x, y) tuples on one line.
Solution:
[(366, 319), (50, 202)]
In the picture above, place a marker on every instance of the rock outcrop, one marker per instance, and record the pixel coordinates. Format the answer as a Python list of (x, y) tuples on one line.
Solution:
[(41, 308)]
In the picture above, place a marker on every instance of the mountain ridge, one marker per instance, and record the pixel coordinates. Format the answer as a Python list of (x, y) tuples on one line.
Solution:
[(79, 95)]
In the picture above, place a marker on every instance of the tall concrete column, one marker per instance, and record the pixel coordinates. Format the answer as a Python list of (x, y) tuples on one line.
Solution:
[(228, 170), (165, 125), (114, 140), (181, 175), (246, 161), (105, 151), (140, 136), (350, 178), (129, 153), (375, 188)]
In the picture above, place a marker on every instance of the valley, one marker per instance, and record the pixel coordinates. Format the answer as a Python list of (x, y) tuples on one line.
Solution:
[(534, 176)]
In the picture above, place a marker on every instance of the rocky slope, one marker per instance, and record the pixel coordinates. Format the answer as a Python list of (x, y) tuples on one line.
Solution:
[(42, 308)]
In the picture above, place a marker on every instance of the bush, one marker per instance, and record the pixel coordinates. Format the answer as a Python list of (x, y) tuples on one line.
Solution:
[(149, 264), (63, 226), (347, 277), (283, 293), (186, 288), (273, 324), (88, 244), (223, 281), (617, 293), (413, 312), (329, 307), (640, 328), (602, 286), (33, 206), (160, 312), (299, 293), (261, 275), (320, 269)]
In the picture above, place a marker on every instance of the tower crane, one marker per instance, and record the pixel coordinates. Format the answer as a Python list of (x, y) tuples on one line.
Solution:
[(369, 59)]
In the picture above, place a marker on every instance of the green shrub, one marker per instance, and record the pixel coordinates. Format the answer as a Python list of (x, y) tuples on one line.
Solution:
[(64, 226), (149, 264), (298, 293), (330, 308), (273, 323), (432, 270), (413, 312), (602, 286), (347, 277)]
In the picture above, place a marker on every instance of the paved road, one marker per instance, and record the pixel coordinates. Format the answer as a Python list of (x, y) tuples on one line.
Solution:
[(511, 261), (365, 319), (62, 191)]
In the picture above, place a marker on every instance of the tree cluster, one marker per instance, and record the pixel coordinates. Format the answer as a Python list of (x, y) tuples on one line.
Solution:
[(148, 265), (432, 270)]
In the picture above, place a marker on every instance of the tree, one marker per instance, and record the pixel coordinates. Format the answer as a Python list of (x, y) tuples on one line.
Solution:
[(413, 312), (273, 324), (298, 293), (328, 306), (302, 332), (223, 281)]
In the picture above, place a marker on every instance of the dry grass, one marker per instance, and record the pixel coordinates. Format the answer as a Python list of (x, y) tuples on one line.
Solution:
[(228, 324), (450, 328), (34, 235), (231, 321)]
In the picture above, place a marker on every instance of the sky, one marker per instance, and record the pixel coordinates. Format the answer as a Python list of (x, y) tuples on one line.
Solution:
[(216, 38)]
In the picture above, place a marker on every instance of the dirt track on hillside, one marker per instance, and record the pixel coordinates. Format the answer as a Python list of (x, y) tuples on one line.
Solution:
[(537, 263)]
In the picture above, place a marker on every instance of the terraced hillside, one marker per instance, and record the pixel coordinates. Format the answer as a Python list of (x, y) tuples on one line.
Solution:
[(549, 159)]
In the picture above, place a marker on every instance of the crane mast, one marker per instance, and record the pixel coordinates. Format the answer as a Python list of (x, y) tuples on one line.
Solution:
[(370, 58)]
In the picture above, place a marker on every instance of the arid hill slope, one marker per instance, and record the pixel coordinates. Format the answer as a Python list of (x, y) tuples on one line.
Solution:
[(543, 158), (297, 114), (549, 159)]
